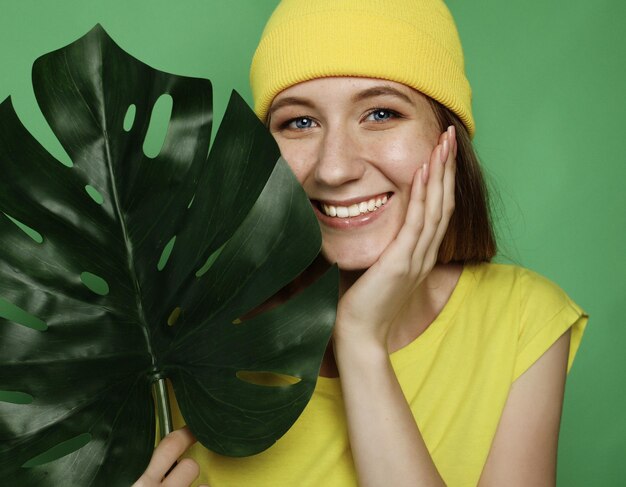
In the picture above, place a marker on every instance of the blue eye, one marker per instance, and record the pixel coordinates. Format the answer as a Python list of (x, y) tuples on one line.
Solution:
[(380, 115), (301, 123)]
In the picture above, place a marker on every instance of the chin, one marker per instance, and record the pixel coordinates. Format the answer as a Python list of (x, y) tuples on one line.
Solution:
[(357, 250), (348, 259)]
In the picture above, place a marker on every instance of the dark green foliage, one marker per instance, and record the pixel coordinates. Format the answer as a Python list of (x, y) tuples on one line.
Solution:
[(90, 286)]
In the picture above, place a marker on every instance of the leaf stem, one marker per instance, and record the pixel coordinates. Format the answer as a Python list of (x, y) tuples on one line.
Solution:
[(164, 413)]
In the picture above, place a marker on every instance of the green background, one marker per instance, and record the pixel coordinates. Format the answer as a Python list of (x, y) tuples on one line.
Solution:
[(548, 100)]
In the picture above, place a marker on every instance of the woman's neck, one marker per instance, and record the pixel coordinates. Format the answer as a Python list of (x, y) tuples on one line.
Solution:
[(425, 304)]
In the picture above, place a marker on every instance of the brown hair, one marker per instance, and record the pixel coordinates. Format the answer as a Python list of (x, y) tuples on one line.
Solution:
[(470, 238)]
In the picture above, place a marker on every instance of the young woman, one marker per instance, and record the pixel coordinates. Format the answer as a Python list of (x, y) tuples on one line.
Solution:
[(443, 369)]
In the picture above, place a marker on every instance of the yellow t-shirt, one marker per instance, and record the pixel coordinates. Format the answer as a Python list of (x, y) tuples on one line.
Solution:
[(456, 376)]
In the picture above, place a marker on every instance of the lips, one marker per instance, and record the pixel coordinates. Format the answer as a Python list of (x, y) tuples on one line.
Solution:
[(350, 213)]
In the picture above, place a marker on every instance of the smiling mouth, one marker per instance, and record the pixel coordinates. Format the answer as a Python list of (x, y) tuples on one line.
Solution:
[(356, 209)]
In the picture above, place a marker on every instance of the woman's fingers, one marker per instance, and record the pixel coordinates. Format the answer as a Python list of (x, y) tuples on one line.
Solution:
[(434, 201), (167, 452), (183, 474), (448, 203), (410, 231)]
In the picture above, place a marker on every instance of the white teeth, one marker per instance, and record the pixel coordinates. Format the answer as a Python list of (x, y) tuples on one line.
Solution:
[(355, 209), (342, 212)]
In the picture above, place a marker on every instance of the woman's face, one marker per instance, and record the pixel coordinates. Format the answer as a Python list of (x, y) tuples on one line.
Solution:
[(355, 145)]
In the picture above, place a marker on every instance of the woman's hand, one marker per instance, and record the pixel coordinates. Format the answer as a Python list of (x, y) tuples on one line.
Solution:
[(386, 443), (165, 456), (367, 309)]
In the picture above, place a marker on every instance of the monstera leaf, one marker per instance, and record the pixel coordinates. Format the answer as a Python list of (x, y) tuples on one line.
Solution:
[(128, 267)]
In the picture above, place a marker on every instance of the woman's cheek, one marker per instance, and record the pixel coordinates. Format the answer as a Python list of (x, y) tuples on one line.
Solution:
[(299, 157), (399, 157)]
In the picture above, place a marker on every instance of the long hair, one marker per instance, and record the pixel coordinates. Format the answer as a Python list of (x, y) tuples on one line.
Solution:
[(470, 238)]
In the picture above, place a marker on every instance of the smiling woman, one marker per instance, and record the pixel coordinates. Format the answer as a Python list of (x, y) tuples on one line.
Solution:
[(444, 369), (362, 143)]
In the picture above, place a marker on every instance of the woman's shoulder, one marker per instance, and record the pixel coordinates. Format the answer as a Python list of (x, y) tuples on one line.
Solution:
[(539, 309), (517, 292), (514, 281)]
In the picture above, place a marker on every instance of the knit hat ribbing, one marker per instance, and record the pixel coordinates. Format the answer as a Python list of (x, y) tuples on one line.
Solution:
[(413, 42)]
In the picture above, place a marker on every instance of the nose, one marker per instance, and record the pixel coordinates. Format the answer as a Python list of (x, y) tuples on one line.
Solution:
[(339, 160)]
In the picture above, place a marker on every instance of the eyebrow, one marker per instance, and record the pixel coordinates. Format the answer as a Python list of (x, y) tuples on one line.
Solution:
[(288, 101), (381, 90)]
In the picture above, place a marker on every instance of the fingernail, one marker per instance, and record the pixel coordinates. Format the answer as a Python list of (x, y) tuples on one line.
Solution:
[(445, 150), (425, 173)]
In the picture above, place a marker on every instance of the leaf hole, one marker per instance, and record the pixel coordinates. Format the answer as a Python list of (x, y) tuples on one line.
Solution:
[(14, 313), (174, 315), (165, 255), (16, 397), (269, 379), (51, 143), (62, 449), (95, 283), (209, 262), (33, 234), (157, 128), (94, 194), (129, 118)]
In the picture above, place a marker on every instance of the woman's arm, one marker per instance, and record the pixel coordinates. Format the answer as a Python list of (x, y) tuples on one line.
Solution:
[(387, 446), (525, 446), (386, 443)]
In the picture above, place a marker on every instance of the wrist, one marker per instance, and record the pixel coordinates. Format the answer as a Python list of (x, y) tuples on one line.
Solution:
[(360, 352), (355, 331)]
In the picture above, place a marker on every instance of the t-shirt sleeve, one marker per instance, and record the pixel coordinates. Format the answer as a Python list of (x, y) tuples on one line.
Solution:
[(546, 312)]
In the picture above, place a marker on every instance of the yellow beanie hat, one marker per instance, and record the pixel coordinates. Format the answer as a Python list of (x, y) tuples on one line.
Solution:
[(413, 42)]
